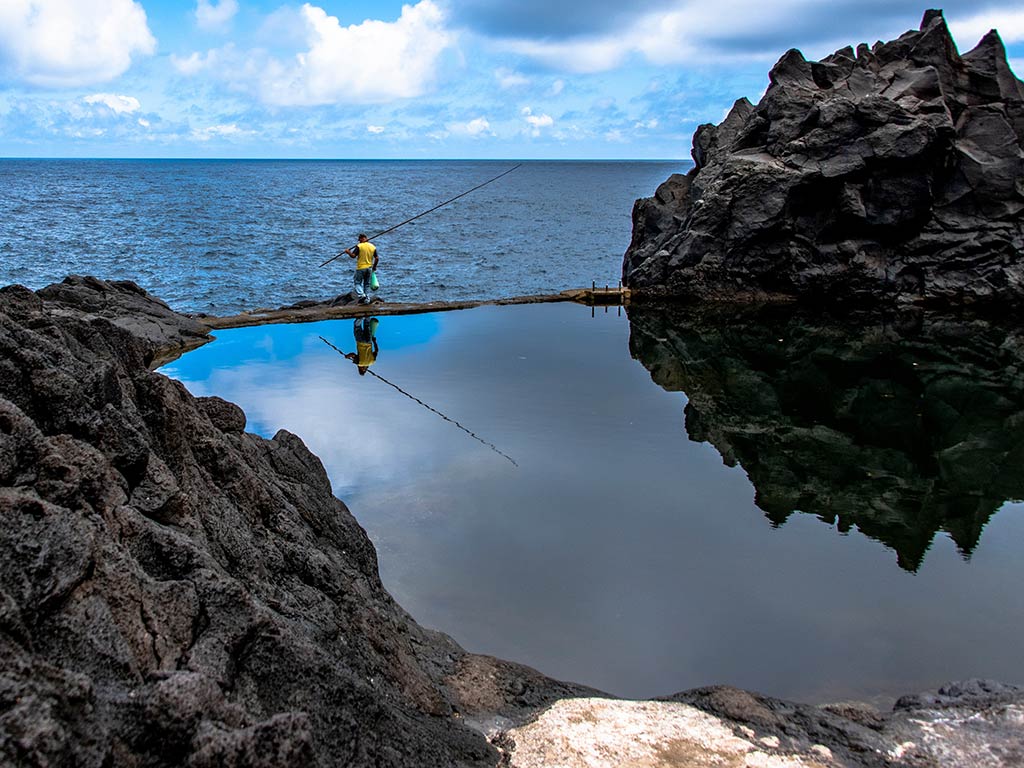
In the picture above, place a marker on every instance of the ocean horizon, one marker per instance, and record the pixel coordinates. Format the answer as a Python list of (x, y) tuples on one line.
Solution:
[(222, 236)]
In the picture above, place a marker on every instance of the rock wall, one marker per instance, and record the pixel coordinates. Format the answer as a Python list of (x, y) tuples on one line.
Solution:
[(892, 172)]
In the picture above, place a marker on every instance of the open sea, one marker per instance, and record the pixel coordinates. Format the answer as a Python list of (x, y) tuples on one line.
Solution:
[(222, 236)]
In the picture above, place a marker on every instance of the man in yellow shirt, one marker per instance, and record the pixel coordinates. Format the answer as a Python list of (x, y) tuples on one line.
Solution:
[(367, 348), (365, 254)]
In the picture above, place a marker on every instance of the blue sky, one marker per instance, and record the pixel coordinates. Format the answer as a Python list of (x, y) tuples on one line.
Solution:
[(430, 79)]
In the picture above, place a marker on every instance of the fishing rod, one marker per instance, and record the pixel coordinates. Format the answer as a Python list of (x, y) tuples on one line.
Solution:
[(420, 215), (434, 410)]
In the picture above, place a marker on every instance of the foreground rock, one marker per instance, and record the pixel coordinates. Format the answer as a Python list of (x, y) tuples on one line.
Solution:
[(176, 591), (977, 725), (887, 172)]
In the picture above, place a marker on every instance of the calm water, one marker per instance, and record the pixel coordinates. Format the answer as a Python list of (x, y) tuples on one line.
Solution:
[(655, 503), (223, 236)]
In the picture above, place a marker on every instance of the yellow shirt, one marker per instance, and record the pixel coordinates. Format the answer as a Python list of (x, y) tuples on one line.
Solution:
[(366, 253), (364, 353)]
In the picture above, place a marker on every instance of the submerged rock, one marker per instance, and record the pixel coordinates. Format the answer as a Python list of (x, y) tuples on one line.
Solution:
[(895, 171)]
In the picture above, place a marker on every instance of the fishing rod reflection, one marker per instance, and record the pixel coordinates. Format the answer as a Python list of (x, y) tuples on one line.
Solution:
[(364, 330)]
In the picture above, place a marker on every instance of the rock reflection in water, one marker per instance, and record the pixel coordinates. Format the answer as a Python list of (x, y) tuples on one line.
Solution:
[(902, 426)]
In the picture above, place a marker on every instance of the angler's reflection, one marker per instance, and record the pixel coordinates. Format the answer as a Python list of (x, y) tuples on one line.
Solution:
[(367, 348), (367, 351)]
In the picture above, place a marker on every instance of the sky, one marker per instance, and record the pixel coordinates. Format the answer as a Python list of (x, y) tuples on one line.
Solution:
[(602, 79)]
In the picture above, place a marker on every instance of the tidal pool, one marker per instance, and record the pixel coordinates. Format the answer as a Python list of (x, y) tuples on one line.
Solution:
[(646, 504)]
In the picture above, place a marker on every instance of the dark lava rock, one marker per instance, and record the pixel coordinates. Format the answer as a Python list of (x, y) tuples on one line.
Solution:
[(175, 591), (902, 425), (126, 305), (895, 171)]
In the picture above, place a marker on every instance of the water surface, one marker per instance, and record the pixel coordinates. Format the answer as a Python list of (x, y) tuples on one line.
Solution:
[(601, 523), (222, 236)]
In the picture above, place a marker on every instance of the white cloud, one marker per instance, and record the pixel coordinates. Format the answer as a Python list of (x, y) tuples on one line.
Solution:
[(508, 78), (66, 43), (196, 62), (144, 122), (557, 87), (228, 130), (475, 128), (478, 126), (968, 31), (121, 105), (614, 135), (375, 129), (536, 122), (215, 15), (646, 125), (692, 30), (372, 62), (582, 56)]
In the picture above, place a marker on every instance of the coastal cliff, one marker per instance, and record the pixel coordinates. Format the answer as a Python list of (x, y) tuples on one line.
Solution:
[(177, 591), (891, 172)]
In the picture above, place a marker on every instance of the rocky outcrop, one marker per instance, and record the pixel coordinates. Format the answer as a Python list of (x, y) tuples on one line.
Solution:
[(971, 725), (893, 172), (901, 425), (176, 591), (122, 303)]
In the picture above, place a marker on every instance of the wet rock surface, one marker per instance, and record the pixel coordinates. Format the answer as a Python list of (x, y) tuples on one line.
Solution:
[(128, 306), (886, 172), (902, 425), (176, 591)]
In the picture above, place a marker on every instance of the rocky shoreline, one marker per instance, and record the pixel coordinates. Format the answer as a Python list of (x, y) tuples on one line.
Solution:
[(177, 591)]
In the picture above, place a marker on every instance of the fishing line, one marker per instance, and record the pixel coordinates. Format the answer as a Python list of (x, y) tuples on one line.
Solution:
[(433, 410), (420, 215)]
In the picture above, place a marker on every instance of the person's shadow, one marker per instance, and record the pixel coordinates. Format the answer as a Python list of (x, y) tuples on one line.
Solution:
[(367, 348)]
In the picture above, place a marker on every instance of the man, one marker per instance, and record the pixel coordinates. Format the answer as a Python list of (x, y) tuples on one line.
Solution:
[(367, 348), (365, 254)]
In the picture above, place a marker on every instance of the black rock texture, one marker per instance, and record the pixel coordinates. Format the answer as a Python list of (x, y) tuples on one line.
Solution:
[(176, 591), (894, 173), (899, 424)]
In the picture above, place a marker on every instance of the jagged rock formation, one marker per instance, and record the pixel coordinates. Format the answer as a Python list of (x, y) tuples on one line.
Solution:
[(892, 172), (175, 591), (903, 426)]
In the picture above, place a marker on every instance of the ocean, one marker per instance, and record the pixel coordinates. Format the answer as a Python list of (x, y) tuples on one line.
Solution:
[(223, 236)]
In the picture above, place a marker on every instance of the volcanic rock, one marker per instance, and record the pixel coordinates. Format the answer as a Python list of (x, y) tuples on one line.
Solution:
[(894, 172), (175, 591)]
